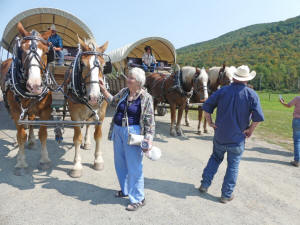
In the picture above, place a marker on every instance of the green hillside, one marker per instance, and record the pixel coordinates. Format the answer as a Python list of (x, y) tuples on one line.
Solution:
[(272, 49)]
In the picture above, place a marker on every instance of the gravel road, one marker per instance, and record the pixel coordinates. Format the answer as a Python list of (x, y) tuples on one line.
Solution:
[(268, 189)]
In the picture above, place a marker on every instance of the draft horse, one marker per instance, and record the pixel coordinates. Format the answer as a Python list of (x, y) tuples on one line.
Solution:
[(85, 101), (200, 94), (219, 76), (163, 90), (24, 83)]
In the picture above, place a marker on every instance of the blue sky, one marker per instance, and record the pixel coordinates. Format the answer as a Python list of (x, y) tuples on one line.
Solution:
[(182, 22)]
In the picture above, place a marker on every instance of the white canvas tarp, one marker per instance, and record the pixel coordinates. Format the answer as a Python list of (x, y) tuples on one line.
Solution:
[(40, 19), (162, 49)]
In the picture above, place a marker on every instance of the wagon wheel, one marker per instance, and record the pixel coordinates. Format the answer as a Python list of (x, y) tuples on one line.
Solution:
[(161, 111)]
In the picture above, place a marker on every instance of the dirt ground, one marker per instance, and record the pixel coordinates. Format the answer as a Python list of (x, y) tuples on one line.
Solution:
[(267, 192)]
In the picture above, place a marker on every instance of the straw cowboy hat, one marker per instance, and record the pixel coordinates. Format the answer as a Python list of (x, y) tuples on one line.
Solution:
[(242, 73), (53, 27)]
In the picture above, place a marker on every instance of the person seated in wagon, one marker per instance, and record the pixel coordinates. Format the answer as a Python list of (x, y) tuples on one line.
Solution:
[(148, 59), (55, 41)]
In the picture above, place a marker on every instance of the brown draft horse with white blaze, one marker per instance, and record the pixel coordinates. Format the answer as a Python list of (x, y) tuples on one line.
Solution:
[(220, 76), (161, 87), (87, 100), (23, 86), (200, 94)]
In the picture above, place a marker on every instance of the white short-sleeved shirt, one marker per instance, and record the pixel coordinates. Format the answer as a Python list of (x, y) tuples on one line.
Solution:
[(148, 59)]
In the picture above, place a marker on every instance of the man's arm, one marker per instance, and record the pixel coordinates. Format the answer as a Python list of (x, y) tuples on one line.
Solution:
[(60, 45), (257, 116), (209, 120), (248, 132)]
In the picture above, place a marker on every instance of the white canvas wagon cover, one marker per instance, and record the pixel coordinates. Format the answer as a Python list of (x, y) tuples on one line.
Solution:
[(162, 49), (40, 19)]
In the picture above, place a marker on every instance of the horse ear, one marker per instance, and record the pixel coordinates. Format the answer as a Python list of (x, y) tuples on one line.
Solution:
[(46, 35), (103, 47), (22, 30), (82, 44)]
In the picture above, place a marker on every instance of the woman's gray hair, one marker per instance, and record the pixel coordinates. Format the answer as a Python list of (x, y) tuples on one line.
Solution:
[(139, 75)]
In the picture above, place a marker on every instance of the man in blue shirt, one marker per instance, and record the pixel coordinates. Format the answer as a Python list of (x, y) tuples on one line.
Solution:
[(56, 43), (237, 105)]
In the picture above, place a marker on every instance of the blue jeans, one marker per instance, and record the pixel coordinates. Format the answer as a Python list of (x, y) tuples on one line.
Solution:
[(60, 57), (234, 155), (296, 137), (128, 163), (146, 67)]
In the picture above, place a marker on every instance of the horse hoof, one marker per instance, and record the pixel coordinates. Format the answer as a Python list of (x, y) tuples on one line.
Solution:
[(199, 132), (180, 133), (44, 166), (75, 173), (98, 166), (206, 131), (173, 133), (187, 124), (21, 171), (86, 146), (30, 145)]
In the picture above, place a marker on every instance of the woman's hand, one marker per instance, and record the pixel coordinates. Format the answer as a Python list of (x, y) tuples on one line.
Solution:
[(149, 144), (102, 85)]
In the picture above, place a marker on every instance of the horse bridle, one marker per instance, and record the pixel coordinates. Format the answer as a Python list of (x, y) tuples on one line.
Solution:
[(96, 64), (78, 84), (18, 69), (31, 54), (222, 77), (196, 87)]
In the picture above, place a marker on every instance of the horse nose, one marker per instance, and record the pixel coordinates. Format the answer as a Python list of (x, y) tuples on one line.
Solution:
[(29, 86), (93, 99), (33, 88)]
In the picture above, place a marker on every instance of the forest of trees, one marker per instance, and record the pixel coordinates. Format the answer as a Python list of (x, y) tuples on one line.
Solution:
[(272, 50)]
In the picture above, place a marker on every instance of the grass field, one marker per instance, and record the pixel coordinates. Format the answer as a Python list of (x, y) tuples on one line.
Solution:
[(277, 127)]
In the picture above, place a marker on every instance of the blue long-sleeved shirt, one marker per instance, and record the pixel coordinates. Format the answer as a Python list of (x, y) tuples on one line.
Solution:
[(56, 40), (236, 105)]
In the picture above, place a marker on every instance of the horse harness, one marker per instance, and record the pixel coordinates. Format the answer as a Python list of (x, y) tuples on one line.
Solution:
[(222, 75), (77, 86), (18, 74), (178, 86)]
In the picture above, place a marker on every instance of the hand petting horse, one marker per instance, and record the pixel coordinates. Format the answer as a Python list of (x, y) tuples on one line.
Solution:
[(25, 90), (85, 101)]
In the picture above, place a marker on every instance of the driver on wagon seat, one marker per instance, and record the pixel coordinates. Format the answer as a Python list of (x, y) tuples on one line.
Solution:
[(56, 43)]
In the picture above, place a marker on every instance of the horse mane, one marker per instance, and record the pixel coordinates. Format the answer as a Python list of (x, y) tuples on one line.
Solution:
[(91, 43), (188, 73), (35, 33), (203, 75), (230, 70), (213, 74)]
